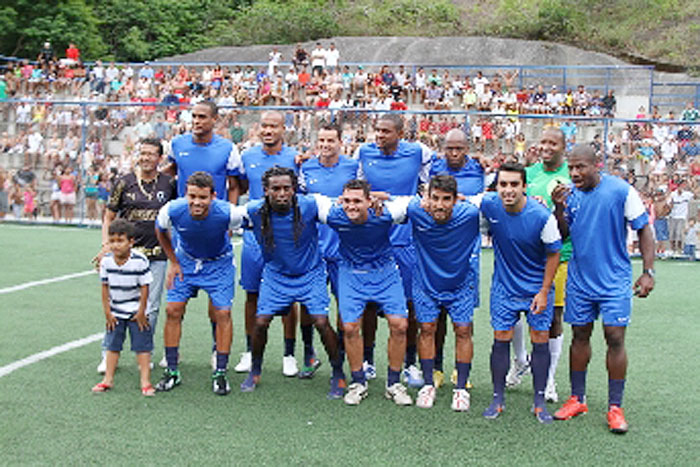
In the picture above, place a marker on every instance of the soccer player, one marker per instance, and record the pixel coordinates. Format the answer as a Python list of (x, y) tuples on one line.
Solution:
[(284, 224), (445, 234), (254, 163), (395, 166), (137, 197), (526, 245), (203, 259), (368, 274), (542, 177), (469, 174), (326, 174), (595, 214), (203, 150)]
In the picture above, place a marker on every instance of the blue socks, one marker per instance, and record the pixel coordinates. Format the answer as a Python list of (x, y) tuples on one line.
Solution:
[(221, 361), (427, 365), (578, 384), (616, 388), (289, 345), (463, 370), (256, 368), (171, 356), (392, 377), (539, 364), (500, 361), (359, 377), (337, 372)]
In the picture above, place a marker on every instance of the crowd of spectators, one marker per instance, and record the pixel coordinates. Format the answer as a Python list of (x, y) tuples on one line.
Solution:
[(74, 149)]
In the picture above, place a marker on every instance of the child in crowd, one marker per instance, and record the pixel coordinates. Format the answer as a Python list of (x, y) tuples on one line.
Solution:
[(125, 276), (691, 238)]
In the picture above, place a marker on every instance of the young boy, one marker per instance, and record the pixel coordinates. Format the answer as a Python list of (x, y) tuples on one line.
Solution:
[(691, 238), (125, 276)]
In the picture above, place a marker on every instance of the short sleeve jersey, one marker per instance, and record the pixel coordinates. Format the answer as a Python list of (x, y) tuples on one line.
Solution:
[(329, 181), (125, 282), (600, 267), (541, 183), (201, 239), (219, 158), (470, 177), (398, 174), (287, 256), (139, 203), (255, 162), (443, 250), (521, 242)]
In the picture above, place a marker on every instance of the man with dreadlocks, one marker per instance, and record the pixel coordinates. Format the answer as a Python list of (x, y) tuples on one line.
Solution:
[(284, 225)]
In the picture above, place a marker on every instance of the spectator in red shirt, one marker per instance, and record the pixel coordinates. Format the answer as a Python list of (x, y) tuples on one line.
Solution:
[(72, 54)]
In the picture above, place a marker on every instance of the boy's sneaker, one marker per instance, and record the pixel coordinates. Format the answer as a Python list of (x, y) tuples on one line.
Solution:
[(250, 383), (413, 376), (170, 379), (616, 420), (102, 367), (369, 369), (219, 383), (245, 364), (355, 393), (493, 411), (307, 371), (550, 392), (289, 366), (460, 400), (426, 397), (543, 416), (516, 373), (337, 389), (397, 392), (571, 408)]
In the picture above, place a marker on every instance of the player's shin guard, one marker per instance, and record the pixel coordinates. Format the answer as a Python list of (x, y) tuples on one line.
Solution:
[(539, 363), (519, 343), (463, 370), (616, 389), (500, 356), (578, 384), (171, 356)]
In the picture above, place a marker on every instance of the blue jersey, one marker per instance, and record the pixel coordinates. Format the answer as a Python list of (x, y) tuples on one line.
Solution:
[(203, 239), (219, 158), (443, 250), (287, 256), (314, 177), (521, 242), (398, 174), (255, 162), (470, 177), (365, 246), (600, 267)]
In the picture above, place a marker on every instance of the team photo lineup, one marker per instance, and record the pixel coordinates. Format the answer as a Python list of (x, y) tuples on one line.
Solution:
[(393, 231)]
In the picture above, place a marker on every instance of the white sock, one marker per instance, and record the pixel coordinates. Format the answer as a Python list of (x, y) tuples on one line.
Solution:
[(555, 345), (519, 343)]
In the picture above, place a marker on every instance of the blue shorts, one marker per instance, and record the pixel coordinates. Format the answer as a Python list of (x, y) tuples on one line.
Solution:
[(661, 229), (357, 288), (214, 277), (141, 341), (406, 260), (251, 262), (332, 273), (459, 304), (505, 310), (581, 310), (278, 291)]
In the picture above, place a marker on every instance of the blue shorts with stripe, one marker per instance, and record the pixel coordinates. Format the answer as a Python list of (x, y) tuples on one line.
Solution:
[(459, 304), (506, 309), (358, 287), (216, 277), (278, 291), (251, 262), (581, 310), (405, 256)]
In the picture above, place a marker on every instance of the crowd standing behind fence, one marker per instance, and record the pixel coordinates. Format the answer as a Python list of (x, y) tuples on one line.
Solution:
[(69, 129)]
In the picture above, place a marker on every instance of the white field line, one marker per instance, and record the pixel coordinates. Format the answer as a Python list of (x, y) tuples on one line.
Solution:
[(37, 357)]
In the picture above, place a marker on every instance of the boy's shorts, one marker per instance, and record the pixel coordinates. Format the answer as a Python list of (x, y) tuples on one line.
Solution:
[(215, 277), (505, 310), (459, 304), (358, 287), (581, 310), (278, 291), (251, 263), (141, 341)]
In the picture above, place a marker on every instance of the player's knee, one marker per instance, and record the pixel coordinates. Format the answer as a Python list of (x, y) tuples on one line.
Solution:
[(615, 338), (174, 312), (398, 327), (463, 333), (220, 315), (539, 337), (351, 329), (261, 323), (321, 322), (504, 336), (582, 334), (428, 328)]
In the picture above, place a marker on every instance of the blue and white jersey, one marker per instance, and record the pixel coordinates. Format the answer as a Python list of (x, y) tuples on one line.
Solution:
[(600, 266), (470, 177), (255, 162), (443, 250), (365, 246), (521, 242), (398, 174), (125, 282), (286, 256), (204, 239), (315, 177), (219, 158)]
